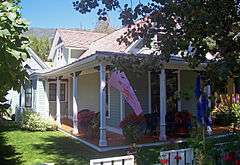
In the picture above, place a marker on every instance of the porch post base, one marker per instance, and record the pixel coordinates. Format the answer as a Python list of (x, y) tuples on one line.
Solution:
[(75, 131), (103, 138), (162, 135)]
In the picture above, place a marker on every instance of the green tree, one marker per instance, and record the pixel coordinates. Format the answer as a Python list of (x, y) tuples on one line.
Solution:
[(12, 47), (104, 27), (191, 28), (41, 45)]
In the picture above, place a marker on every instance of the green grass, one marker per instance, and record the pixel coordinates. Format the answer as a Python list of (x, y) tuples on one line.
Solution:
[(29, 148)]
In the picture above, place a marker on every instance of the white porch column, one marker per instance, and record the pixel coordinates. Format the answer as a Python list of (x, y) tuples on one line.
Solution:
[(162, 135), (58, 113), (75, 105), (102, 95)]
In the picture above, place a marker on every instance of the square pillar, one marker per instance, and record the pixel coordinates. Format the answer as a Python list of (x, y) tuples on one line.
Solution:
[(75, 105), (102, 96), (163, 109), (58, 111)]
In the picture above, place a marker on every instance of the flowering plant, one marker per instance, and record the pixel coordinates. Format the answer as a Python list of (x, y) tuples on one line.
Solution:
[(133, 127)]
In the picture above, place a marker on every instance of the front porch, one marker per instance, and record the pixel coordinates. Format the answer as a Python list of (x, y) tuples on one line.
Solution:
[(87, 89)]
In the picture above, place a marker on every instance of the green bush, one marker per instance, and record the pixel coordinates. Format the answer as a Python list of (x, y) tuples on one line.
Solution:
[(32, 121)]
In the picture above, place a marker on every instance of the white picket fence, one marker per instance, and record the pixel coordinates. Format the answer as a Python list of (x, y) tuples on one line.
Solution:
[(122, 160), (178, 157), (173, 157)]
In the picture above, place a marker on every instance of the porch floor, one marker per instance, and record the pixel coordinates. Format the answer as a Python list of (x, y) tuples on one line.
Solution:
[(116, 140)]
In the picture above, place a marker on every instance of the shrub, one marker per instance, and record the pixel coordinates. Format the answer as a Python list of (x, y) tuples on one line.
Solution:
[(133, 127), (32, 121)]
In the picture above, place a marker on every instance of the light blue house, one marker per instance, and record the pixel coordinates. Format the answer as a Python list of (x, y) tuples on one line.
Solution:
[(78, 80)]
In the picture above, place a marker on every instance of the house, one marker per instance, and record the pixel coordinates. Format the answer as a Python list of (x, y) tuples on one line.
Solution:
[(77, 81)]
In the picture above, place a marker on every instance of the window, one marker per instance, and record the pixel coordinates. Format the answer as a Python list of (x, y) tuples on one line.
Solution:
[(28, 95), (107, 97), (62, 92), (53, 92)]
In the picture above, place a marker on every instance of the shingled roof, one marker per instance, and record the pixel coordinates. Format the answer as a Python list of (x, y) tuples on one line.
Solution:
[(107, 43), (78, 38)]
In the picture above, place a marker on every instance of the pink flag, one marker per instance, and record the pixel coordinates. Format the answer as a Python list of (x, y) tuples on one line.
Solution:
[(119, 81)]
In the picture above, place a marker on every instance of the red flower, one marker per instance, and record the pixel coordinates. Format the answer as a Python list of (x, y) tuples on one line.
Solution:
[(164, 161), (237, 162), (177, 157), (231, 156)]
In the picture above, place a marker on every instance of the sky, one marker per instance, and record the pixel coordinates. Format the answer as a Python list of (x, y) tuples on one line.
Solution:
[(60, 14)]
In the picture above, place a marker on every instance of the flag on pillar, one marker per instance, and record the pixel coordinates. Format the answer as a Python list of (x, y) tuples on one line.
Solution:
[(119, 81)]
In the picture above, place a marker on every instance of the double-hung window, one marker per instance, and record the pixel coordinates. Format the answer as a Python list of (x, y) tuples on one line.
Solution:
[(53, 91), (28, 95)]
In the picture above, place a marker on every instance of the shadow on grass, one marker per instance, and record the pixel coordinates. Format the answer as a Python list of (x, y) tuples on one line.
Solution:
[(70, 151), (8, 154)]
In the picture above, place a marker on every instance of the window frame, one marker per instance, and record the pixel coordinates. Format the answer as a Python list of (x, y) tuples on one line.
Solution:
[(65, 94), (28, 86)]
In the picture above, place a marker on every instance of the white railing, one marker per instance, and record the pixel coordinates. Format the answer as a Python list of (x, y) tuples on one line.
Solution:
[(178, 157), (122, 160)]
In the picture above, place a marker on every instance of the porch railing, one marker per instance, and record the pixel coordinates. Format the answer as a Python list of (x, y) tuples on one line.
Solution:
[(122, 160)]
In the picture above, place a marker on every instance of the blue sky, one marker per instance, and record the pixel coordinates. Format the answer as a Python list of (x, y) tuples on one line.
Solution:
[(60, 13)]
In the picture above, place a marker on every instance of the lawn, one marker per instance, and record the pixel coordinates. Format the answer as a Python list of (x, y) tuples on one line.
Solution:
[(24, 147)]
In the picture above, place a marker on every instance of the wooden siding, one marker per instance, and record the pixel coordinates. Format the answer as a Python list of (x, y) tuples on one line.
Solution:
[(115, 114), (187, 80), (140, 85), (41, 105)]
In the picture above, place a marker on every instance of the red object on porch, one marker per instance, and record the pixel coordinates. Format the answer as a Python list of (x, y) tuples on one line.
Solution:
[(164, 161), (237, 162)]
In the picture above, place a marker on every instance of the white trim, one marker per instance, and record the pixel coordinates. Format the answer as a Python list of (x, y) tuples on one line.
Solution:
[(102, 106), (114, 129), (76, 48), (75, 105), (69, 55), (162, 134), (53, 49), (58, 105), (179, 91), (149, 93), (132, 47)]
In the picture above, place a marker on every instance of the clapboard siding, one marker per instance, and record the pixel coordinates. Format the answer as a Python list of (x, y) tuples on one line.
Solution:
[(41, 105), (187, 81), (115, 114), (88, 92)]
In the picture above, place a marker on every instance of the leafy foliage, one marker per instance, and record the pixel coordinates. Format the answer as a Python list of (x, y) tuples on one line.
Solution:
[(133, 127), (12, 47), (41, 45), (190, 28), (104, 27), (32, 121)]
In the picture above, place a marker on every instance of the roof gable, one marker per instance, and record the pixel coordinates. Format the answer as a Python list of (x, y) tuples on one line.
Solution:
[(79, 39)]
